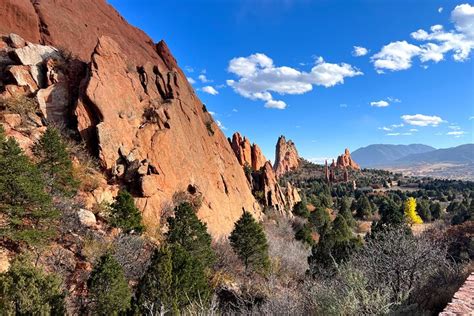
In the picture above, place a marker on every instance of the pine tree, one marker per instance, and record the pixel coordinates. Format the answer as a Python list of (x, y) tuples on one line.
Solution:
[(305, 234), (173, 280), (125, 214), (411, 215), (55, 163), (26, 207), (301, 208), (364, 208), (345, 211), (249, 242), (319, 218), (336, 243), (435, 209), (108, 289), (26, 290), (154, 294), (390, 212), (186, 230), (423, 210)]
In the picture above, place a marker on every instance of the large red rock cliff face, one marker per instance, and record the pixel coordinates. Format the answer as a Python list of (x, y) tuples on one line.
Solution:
[(137, 112)]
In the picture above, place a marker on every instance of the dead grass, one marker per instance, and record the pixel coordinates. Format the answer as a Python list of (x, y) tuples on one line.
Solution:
[(20, 104)]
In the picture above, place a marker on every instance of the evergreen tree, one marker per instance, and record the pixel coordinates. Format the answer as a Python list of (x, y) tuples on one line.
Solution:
[(304, 233), (335, 246), (108, 289), (435, 209), (301, 208), (27, 209), (125, 214), (55, 163), (319, 218), (390, 213), (411, 215), (250, 243), (345, 211), (186, 230), (364, 208), (154, 294), (423, 210), (26, 290)]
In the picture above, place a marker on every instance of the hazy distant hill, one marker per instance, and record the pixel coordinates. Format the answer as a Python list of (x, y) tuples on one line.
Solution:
[(384, 154), (462, 154), (450, 163)]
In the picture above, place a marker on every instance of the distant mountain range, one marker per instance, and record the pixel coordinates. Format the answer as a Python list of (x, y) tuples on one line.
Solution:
[(384, 154), (419, 160)]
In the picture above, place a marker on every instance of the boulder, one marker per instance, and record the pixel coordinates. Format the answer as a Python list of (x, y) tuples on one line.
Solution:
[(286, 157), (34, 54), (86, 218), (12, 119), (53, 103), (16, 41), (23, 77)]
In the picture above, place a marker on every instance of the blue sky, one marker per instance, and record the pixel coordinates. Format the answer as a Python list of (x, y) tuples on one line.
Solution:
[(287, 67)]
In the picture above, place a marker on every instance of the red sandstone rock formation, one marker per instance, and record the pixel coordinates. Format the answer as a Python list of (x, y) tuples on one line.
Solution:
[(263, 180), (134, 108), (246, 153), (345, 161), (286, 157)]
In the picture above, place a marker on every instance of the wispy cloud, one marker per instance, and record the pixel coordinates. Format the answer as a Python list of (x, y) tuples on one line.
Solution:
[(191, 80), (210, 90)]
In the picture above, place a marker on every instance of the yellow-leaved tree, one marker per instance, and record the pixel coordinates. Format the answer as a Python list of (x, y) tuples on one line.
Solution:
[(411, 215)]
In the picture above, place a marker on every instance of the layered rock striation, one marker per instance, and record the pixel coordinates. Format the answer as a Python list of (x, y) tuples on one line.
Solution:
[(130, 102)]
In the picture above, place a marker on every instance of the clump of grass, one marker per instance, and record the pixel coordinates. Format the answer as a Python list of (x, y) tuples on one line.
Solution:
[(21, 104)]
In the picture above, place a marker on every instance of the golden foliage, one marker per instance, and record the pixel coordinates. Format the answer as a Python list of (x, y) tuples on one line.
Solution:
[(410, 212)]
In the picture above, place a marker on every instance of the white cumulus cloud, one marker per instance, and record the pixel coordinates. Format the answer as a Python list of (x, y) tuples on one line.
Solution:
[(436, 43), (379, 104), (191, 80), (395, 56), (422, 120), (359, 51), (258, 78), (210, 90)]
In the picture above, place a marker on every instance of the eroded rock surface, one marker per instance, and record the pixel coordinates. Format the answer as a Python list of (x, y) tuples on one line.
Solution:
[(345, 161), (286, 157)]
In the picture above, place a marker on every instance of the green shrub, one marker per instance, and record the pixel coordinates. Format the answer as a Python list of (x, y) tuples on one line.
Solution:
[(26, 207), (26, 290), (174, 279), (108, 289), (54, 162), (124, 213)]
